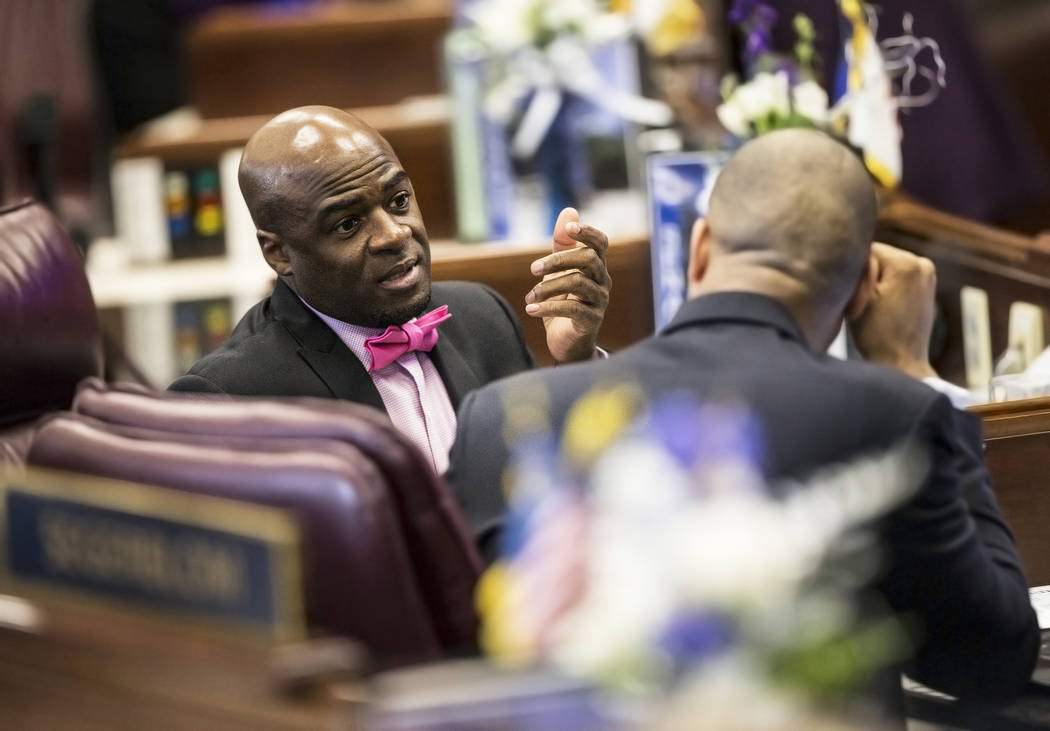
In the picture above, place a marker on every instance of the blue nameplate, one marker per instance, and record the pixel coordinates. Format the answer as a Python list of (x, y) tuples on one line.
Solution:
[(181, 554)]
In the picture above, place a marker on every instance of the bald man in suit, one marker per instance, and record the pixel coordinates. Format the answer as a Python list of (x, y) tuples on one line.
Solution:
[(337, 220), (784, 256)]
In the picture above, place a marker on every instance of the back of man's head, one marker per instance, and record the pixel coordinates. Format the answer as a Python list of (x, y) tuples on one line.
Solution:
[(798, 203)]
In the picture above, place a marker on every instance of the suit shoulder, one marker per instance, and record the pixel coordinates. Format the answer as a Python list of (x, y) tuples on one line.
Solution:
[(258, 347), (554, 389), (470, 295), (876, 382)]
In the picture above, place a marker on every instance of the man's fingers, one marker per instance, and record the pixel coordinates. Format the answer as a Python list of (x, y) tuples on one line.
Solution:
[(574, 283), (581, 312), (894, 263), (583, 258), (892, 257), (561, 236), (927, 269), (590, 237)]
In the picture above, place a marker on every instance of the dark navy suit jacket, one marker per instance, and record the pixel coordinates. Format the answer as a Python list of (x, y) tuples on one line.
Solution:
[(951, 562)]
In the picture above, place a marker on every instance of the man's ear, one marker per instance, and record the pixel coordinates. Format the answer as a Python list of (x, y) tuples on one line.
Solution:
[(864, 291), (274, 252), (699, 251)]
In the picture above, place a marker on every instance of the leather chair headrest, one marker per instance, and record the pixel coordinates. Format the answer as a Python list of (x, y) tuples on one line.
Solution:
[(50, 336)]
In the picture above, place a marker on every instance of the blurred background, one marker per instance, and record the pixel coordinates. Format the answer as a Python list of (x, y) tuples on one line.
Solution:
[(126, 117)]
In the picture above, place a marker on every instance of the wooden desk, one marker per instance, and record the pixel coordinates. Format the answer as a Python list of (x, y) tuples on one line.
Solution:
[(90, 670), (1017, 451), (254, 60), (1008, 266)]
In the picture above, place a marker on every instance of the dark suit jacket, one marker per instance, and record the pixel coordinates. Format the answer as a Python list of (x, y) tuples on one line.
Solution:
[(951, 560), (281, 348)]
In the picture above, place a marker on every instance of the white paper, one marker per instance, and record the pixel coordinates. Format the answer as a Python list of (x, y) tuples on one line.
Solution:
[(138, 208), (1040, 596)]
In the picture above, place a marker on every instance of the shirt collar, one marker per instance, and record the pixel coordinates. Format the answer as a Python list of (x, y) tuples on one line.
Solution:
[(353, 336), (743, 307)]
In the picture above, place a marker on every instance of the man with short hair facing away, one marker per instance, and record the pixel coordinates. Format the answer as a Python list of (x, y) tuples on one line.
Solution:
[(785, 256)]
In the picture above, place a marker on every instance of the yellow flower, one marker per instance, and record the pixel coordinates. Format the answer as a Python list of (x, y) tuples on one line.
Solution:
[(596, 419), (498, 605), (682, 22)]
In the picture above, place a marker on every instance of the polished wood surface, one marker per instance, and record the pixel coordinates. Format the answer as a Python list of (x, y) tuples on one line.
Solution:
[(84, 669), (505, 268), (257, 60), (1017, 451)]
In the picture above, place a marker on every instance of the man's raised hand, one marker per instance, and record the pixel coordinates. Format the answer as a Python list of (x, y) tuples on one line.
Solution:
[(574, 292)]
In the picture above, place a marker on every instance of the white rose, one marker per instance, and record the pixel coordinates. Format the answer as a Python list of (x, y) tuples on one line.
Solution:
[(763, 94), (503, 25), (750, 100), (775, 88), (732, 117), (811, 101)]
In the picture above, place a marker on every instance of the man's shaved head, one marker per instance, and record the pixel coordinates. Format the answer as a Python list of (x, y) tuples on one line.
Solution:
[(288, 153), (336, 216), (800, 203)]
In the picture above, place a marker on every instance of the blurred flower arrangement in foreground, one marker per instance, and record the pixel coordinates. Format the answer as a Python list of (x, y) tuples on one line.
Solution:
[(646, 554)]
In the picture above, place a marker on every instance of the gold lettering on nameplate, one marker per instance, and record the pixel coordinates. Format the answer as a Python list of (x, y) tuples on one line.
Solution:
[(103, 549)]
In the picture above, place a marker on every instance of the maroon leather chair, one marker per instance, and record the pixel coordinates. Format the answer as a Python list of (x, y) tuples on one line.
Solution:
[(50, 336), (387, 558)]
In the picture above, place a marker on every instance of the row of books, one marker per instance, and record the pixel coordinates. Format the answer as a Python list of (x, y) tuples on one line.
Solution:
[(170, 211), (165, 339), (200, 327)]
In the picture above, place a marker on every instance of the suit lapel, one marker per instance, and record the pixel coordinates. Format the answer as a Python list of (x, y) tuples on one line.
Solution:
[(458, 376), (343, 374), (322, 350), (456, 373)]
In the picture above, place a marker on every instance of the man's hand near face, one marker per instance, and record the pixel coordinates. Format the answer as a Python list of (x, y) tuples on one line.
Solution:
[(574, 292), (895, 328)]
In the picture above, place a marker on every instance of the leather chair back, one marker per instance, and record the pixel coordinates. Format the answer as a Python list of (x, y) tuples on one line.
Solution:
[(357, 576), (50, 337), (388, 558)]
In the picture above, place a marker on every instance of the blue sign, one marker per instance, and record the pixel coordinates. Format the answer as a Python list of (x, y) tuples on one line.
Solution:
[(679, 185), (89, 539)]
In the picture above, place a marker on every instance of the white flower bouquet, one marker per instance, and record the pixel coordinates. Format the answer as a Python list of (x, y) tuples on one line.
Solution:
[(782, 91), (645, 553)]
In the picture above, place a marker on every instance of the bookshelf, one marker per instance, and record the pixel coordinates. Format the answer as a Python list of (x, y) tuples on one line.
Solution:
[(144, 284), (258, 60)]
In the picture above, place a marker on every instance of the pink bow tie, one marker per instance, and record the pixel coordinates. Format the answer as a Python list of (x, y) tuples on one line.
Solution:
[(396, 341)]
